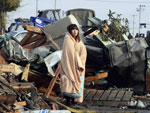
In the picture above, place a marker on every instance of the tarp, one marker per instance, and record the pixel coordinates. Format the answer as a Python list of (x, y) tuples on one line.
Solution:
[(2, 40), (125, 61), (17, 53), (13, 52), (43, 51), (128, 62), (127, 52), (96, 53)]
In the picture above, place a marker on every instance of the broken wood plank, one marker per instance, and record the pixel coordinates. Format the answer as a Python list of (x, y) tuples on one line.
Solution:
[(7, 68), (53, 81), (26, 38), (112, 95), (22, 103), (99, 76), (33, 29), (18, 69), (22, 86), (119, 95), (127, 96), (35, 44), (98, 94), (53, 42), (105, 95), (25, 73), (35, 38)]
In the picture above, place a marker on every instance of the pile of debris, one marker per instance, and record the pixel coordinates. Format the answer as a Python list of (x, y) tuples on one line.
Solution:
[(29, 69)]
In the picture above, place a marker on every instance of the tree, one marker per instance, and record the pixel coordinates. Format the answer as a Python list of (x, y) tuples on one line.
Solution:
[(7, 6), (117, 27)]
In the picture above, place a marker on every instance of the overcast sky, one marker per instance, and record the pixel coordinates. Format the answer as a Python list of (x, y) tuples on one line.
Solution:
[(127, 8)]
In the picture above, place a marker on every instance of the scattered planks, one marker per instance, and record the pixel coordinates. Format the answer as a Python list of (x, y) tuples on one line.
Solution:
[(20, 86), (39, 39)]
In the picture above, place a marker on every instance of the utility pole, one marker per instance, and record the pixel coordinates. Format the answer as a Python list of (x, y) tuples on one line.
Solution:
[(133, 24), (36, 7), (140, 10), (55, 4)]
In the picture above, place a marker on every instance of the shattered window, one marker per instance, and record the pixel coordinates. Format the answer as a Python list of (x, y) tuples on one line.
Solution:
[(50, 15), (20, 36)]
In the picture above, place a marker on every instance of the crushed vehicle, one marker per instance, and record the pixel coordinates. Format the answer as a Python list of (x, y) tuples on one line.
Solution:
[(17, 35), (46, 17)]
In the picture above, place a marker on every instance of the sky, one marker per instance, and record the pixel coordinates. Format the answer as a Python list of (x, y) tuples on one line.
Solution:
[(128, 9)]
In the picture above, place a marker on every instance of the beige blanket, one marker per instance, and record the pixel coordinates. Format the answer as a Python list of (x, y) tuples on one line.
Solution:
[(73, 57)]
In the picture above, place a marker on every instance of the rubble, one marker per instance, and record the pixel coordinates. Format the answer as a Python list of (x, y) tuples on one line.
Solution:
[(29, 69)]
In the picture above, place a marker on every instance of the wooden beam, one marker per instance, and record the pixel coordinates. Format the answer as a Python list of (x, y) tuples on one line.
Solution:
[(26, 38), (53, 81), (35, 44), (99, 76), (22, 86), (22, 103), (35, 38), (7, 68), (33, 29), (53, 42), (25, 73)]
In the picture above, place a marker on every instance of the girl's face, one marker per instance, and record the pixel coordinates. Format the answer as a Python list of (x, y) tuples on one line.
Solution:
[(74, 32)]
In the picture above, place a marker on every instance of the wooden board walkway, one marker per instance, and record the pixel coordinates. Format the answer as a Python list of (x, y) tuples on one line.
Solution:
[(109, 97)]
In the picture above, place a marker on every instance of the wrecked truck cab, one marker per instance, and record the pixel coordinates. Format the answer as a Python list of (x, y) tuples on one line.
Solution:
[(82, 16), (52, 14), (46, 17)]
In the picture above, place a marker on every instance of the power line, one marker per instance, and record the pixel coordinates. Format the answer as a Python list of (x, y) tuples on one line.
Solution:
[(118, 1)]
